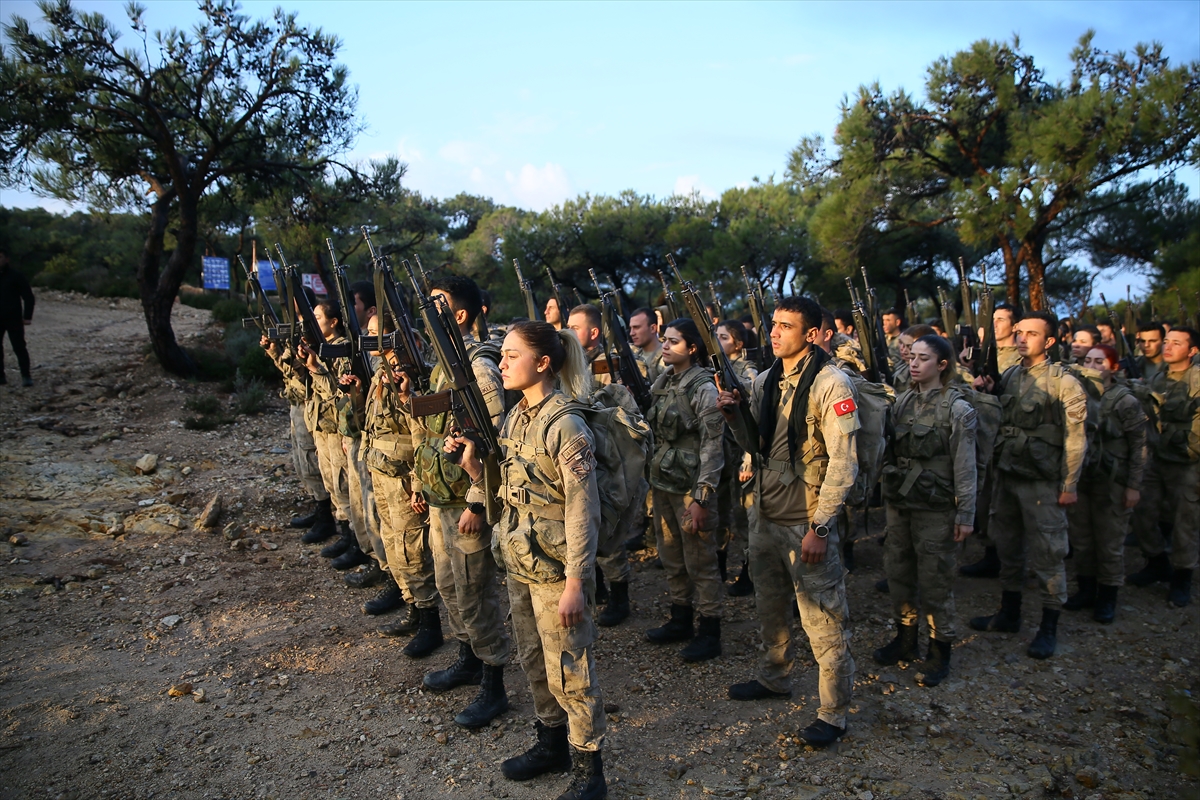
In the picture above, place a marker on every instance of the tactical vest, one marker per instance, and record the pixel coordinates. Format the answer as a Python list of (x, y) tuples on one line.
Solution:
[(920, 469), (322, 410), (387, 440), (1109, 451), (1030, 444), (1175, 417), (677, 439)]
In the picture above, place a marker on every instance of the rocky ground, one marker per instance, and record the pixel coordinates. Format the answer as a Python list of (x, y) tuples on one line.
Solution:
[(143, 657)]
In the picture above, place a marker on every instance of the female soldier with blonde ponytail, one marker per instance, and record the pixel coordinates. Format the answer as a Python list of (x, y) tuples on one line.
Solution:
[(547, 537)]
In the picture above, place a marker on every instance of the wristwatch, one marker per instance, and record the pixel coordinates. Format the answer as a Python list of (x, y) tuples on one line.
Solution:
[(820, 530), (478, 509), (703, 496)]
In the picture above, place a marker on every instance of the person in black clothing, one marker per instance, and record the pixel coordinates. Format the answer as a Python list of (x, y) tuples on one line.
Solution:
[(15, 292)]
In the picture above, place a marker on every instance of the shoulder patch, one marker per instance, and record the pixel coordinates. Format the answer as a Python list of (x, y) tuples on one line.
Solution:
[(844, 407), (577, 456)]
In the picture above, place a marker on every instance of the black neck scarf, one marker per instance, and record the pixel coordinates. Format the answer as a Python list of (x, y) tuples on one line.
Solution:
[(769, 410)]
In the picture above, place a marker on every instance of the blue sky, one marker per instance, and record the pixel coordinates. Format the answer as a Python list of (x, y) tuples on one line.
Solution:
[(534, 103)]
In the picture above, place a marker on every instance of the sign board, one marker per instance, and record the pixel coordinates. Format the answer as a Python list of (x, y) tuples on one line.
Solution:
[(265, 276), (216, 272), (313, 281)]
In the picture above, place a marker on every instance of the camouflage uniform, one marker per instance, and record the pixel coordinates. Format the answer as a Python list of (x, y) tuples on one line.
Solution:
[(1171, 489), (790, 497), (548, 532), (388, 453), (1006, 357), (463, 565), (1149, 369), (929, 487), (304, 449), (321, 417), (687, 462), (653, 362), (1116, 460), (1039, 455), (732, 520)]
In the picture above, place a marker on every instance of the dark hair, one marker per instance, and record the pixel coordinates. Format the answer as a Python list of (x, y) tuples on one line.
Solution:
[(943, 350), (365, 291), (920, 330), (1106, 323), (827, 320), (844, 316), (1090, 330), (647, 312), (1016, 312), (1150, 327), (895, 312), (1049, 318), (562, 348), (485, 298), (691, 335), (746, 319), (590, 311), (937, 325), (330, 307), (808, 309), (1110, 355), (1191, 332), (735, 330), (464, 295)]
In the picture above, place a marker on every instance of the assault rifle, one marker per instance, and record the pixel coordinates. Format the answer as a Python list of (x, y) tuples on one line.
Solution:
[(877, 337), (360, 362), (287, 306), (985, 362), (968, 331), (1131, 321), (718, 312), (669, 299), (968, 310), (404, 340), (618, 354), (266, 320), (910, 310), (1126, 355), (949, 315), (558, 292), (727, 379), (758, 313), (531, 306), (463, 399), (875, 371)]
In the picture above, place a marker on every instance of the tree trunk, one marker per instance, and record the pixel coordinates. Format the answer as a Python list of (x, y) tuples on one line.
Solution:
[(158, 289), (1036, 267), (1012, 273)]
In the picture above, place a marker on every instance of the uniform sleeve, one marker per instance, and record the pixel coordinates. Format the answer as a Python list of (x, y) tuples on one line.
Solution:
[(487, 375), (838, 422), (1134, 423), (963, 427), (712, 428), (1194, 393), (570, 443), (1074, 406)]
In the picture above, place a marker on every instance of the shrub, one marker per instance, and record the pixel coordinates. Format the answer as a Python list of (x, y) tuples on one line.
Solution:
[(228, 311), (204, 404), (201, 300), (212, 365), (251, 395)]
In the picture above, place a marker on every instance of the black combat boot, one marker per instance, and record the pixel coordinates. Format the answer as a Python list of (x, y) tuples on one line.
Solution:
[(1046, 641), (601, 588), (753, 690), (353, 557), (342, 543), (429, 634), (303, 520), (466, 671), (408, 623), (821, 734), (1106, 604), (617, 610), (723, 564), (390, 599), (550, 753), (323, 526), (902, 648), (1158, 568), (848, 556), (1085, 597), (1180, 593), (986, 567), (937, 664), (1006, 620), (677, 629), (743, 586), (365, 579), (707, 644), (587, 777), (491, 702)]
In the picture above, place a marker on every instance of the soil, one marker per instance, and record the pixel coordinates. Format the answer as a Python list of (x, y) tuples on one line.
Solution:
[(116, 602)]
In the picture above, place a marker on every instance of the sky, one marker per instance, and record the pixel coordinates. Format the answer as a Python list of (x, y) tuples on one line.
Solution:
[(535, 103)]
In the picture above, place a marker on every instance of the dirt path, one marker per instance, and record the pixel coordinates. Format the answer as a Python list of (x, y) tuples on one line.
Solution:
[(116, 599)]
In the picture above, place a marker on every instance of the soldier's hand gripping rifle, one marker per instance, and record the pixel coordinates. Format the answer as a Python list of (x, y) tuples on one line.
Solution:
[(464, 400), (863, 330), (266, 320), (878, 340), (758, 313), (360, 362), (287, 306), (403, 341), (531, 305), (727, 379), (669, 299), (618, 352), (1123, 351)]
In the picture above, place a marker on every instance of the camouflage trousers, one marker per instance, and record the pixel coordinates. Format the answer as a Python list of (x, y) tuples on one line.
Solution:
[(611, 555), (558, 662), (1171, 495), (405, 536), (1098, 524), (920, 556), (304, 454), (732, 521), (689, 559), (1029, 528), (820, 591), (333, 463), (364, 514), (466, 577)]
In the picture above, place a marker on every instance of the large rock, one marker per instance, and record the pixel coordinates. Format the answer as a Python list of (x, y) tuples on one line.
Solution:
[(211, 514), (146, 464)]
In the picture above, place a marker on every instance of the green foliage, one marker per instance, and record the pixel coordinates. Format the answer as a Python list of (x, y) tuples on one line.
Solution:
[(201, 300), (203, 423), (228, 311), (211, 365), (250, 395), (204, 404)]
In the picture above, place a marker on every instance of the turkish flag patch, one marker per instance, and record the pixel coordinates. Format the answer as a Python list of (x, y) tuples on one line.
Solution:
[(845, 407)]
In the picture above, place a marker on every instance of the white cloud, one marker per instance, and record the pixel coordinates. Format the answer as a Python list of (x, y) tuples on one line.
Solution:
[(686, 184), (539, 188), (409, 152)]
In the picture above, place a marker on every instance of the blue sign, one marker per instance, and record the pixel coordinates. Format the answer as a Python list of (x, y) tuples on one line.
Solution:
[(216, 272), (265, 276)]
